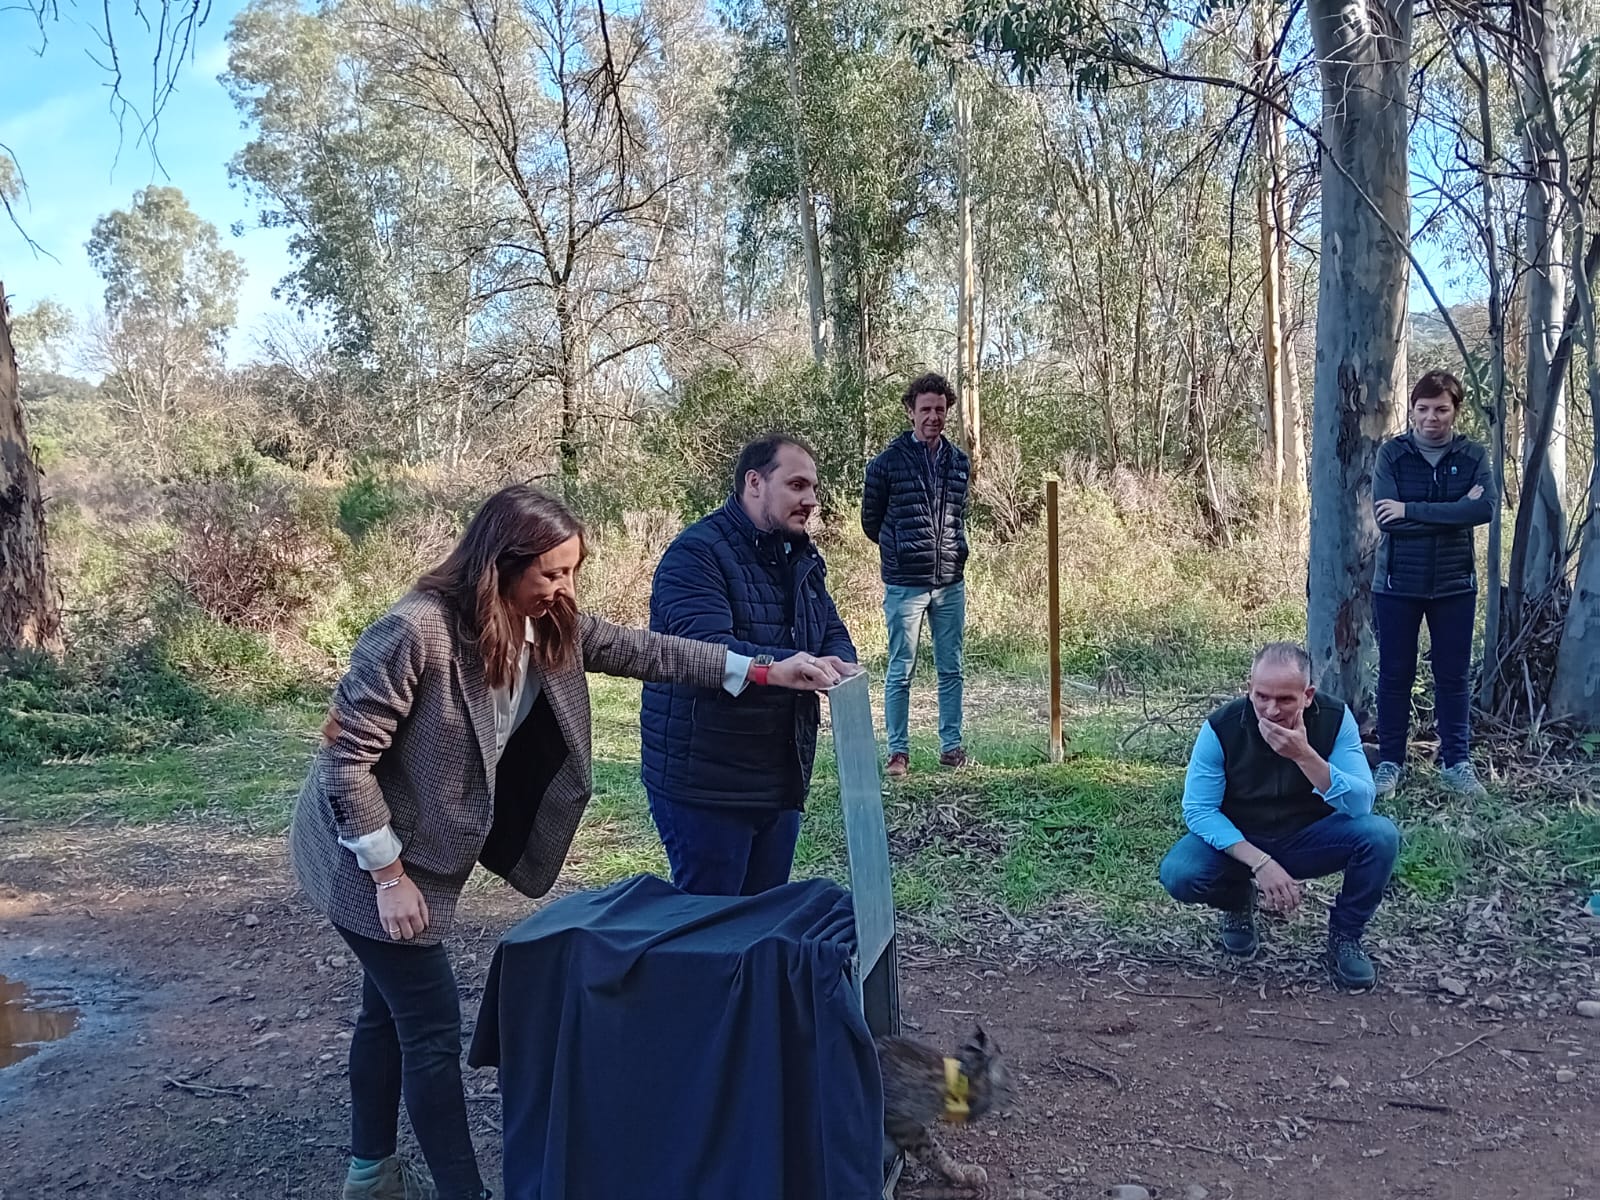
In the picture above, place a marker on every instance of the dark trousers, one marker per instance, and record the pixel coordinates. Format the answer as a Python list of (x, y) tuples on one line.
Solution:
[(1399, 620), (1364, 848), (725, 852), (408, 1041)]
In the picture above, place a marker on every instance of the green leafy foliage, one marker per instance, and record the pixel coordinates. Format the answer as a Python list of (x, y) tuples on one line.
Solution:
[(138, 699)]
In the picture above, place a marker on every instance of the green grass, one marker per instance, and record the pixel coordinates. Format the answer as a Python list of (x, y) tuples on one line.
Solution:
[(1016, 832), (250, 774)]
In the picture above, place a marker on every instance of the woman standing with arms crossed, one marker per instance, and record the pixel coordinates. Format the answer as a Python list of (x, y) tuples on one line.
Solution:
[(1430, 488), (460, 734)]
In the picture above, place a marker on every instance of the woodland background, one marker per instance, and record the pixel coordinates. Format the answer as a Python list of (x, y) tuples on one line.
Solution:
[(1165, 254)]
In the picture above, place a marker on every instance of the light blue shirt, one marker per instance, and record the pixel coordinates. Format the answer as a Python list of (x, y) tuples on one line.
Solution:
[(1350, 786)]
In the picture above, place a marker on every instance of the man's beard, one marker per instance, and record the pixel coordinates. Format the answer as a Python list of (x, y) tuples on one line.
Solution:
[(555, 634)]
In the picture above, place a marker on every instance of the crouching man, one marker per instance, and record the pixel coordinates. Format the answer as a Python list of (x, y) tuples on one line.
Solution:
[(1278, 790)]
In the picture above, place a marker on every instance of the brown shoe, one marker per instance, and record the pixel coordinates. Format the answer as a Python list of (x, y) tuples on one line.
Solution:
[(956, 759), (899, 766)]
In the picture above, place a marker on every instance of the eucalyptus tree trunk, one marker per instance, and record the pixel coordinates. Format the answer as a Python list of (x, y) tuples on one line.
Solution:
[(29, 614), (966, 326), (1292, 413), (1575, 688), (1271, 341), (1545, 291), (811, 245), (1261, 53), (1575, 691), (1363, 50), (1494, 406)]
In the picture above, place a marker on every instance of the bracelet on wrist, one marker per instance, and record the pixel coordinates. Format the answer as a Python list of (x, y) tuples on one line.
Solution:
[(385, 884), (1256, 870)]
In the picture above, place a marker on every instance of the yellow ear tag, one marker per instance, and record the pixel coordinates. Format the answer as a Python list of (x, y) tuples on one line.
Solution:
[(956, 1085)]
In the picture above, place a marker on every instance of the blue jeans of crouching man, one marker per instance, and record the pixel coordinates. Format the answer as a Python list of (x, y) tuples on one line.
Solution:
[(1364, 848)]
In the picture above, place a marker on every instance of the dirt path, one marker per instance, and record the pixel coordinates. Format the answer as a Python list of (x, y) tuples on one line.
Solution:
[(211, 1060)]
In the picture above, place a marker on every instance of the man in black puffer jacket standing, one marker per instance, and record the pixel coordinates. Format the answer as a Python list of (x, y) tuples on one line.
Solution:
[(915, 508)]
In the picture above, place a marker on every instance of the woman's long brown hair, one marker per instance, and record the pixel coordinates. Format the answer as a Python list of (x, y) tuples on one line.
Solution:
[(513, 528)]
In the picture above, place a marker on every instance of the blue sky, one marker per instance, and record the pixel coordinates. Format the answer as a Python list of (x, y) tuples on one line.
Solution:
[(58, 122), (55, 116)]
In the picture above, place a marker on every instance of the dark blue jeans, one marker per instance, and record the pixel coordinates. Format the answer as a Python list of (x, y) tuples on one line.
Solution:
[(1398, 620), (408, 1040), (1364, 848), (725, 852)]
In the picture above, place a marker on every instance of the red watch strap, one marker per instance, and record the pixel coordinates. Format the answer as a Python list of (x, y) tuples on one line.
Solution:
[(758, 674)]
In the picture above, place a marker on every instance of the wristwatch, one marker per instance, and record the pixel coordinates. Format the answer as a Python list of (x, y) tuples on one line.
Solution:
[(758, 669)]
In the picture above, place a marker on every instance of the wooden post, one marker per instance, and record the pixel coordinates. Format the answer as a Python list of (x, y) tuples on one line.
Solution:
[(1053, 527)]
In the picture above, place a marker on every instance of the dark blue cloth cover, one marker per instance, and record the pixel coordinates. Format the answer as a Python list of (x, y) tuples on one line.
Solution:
[(659, 1046)]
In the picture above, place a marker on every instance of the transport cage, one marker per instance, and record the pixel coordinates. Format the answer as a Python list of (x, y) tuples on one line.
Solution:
[(871, 889)]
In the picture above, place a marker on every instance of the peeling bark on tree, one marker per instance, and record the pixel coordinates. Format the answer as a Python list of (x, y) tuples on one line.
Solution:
[(1363, 50), (29, 614)]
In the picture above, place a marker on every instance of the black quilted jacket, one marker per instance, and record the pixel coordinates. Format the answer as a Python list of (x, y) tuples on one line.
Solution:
[(1428, 552), (917, 517)]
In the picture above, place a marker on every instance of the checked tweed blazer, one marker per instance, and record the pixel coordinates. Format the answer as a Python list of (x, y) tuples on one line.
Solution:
[(415, 748)]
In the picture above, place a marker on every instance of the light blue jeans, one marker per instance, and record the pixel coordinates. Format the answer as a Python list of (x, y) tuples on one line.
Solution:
[(946, 611)]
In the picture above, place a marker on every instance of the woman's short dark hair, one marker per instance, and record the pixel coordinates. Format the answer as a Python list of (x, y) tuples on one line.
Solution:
[(1438, 383), (761, 456), (512, 528), (931, 384)]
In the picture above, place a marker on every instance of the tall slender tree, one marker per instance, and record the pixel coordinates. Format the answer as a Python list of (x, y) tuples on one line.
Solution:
[(30, 615), (1363, 52)]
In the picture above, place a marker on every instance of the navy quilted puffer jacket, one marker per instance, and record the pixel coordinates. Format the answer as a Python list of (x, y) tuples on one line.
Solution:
[(722, 580), (1429, 552), (917, 516)]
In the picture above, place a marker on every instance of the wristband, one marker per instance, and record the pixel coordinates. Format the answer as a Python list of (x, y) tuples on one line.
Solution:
[(1254, 871), (385, 884)]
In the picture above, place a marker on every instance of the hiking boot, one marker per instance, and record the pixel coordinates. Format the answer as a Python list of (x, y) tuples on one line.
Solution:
[(1237, 930), (899, 766), (1387, 777), (1463, 781), (1348, 962), (956, 759), (391, 1179)]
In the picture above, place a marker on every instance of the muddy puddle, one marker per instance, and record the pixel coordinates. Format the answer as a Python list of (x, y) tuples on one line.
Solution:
[(31, 1017)]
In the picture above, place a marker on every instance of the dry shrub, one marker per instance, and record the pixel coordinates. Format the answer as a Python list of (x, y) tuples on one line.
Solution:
[(1004, 491), (248, 552), (622, 564)]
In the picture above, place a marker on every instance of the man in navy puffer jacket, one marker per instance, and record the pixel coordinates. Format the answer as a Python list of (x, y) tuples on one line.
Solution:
[(914, 506), (727, 775)]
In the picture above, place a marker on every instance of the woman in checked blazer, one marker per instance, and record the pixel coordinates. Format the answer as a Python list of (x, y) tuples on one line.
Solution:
[(459, 735)]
